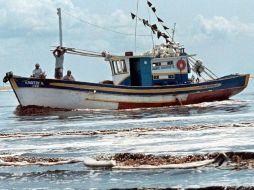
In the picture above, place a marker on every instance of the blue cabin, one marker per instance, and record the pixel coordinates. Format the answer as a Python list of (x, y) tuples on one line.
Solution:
[(132, 70)]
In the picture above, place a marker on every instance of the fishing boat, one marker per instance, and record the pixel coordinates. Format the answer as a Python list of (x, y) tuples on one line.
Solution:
[(161, 77)]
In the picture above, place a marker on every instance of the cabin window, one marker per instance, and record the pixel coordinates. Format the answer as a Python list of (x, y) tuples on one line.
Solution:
[(156, 77), (118, 67), (112, 68), (157, 64), (123, 66), (170, 63), (171, 76)]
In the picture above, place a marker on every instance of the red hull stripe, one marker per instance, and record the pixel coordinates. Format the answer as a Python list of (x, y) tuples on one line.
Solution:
[(194, 98)]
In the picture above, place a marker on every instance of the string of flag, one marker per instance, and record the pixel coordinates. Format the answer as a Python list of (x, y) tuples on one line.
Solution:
[(153, 27), (158, 18)]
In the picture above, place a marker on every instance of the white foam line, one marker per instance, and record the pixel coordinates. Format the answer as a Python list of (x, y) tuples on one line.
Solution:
[(160, 119), (130, 132), (175, 141), (219, 103)]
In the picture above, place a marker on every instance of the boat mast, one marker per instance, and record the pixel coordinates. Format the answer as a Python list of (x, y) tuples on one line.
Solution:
[(136, 24), (60, 27)]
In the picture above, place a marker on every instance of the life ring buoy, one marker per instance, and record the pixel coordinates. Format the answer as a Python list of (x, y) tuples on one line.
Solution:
[(181, 65)]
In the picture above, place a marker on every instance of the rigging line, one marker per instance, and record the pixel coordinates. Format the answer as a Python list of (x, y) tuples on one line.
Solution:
[(192, 63), (151, 26), (86, 55), (209, 75), (163, 27), (101, 27), (207, 69), (71, 52), (80, 50), (136, 24), (83, 51), (211, 72)]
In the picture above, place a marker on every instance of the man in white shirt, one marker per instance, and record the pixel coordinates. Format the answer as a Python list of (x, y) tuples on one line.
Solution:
[(59, 55), (37, 72), (69, 76)]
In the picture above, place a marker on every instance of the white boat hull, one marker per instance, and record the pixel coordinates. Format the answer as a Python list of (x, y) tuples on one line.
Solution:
[(82, 95), (69, 99)]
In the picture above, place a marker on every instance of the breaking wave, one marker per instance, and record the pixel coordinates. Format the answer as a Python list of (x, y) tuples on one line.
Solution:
[(122, 131)]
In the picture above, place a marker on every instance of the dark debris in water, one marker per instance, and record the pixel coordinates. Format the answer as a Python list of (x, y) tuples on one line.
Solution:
[(36, 110), (13, 159), (26, 160), (242, 160), (238, 160), (129, 159)]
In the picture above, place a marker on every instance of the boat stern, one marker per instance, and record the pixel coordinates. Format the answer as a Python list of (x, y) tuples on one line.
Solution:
[(246, 80)]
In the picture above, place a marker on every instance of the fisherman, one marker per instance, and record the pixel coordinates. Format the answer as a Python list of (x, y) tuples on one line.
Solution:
[(193, 79), (69, 76), (59, 55), (37, 72)]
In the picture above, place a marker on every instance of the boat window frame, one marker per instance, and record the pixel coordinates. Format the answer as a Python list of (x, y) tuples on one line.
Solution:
[(118, 67), (156, 77), (172, 77), (170, 63), (157, 64), (112, 67)]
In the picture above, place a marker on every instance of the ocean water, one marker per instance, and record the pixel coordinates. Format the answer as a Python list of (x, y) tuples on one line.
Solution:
[(229, 127)]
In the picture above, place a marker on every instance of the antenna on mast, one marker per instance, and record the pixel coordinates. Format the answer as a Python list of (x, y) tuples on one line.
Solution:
[(60, 27), (173, 32)]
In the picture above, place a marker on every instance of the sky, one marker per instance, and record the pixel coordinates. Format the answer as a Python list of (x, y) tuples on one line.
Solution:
[(221, 33)]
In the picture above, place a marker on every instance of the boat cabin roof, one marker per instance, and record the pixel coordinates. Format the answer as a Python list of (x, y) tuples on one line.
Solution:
[(116, 58)]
